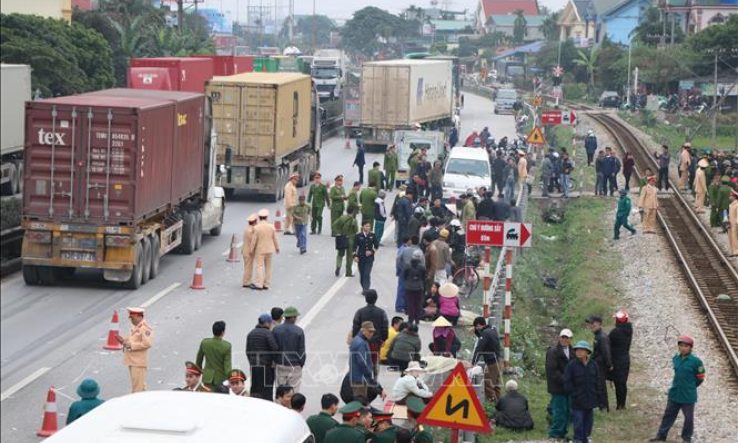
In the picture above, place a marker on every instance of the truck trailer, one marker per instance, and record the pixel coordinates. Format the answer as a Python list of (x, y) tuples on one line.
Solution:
[(399, 94), (268, 127), (114, 180), (170, 73), (16, 89)]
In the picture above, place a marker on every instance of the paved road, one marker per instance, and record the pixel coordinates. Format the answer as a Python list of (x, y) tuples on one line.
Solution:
[(53, 336)]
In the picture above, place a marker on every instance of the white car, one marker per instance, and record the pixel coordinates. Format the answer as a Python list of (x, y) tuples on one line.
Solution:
[(466, 168)]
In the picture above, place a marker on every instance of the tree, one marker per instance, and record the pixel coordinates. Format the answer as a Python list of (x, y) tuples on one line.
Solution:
[(716, 37), (652, 29), (372, 29), (550, 27), (609, 60), (519, 27), (661, 66), (315, 31), (588, 60)]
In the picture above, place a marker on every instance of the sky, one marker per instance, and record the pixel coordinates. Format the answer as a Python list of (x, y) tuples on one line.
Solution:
[(345, 8)]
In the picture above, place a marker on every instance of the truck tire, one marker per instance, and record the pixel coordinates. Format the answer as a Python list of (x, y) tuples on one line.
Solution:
[(30, 275), (198, 229), (47, 275), (146, 262), (137, 275), (155, 255), (188, 235)]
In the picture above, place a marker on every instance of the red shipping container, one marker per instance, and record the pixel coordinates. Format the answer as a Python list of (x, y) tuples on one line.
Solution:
[(170, 73), (230, 64), (112, 157)]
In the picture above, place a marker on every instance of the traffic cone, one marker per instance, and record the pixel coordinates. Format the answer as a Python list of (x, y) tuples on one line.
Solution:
[(51, 419), (197, 282), (278, 221), (233, 256), (113, 343)]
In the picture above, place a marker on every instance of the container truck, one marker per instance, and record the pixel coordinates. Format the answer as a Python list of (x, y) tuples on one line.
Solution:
[(230, 64), (114, 180), (352, 103), (268, 127), (329, 71), (170, 73), (16, 89), (398, 94)]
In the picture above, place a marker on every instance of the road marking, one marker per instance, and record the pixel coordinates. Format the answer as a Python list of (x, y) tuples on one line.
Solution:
[(23, 383), (228, 251), (160, 295)]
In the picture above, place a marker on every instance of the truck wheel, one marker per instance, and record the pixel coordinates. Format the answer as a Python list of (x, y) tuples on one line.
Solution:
[(188, 235), (155, 255), (198, 229), (30, 275), (229, 192), (47, 275), (146, 262), (137, 275)]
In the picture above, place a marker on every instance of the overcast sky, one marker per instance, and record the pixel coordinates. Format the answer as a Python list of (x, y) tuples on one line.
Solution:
[(345, 8)]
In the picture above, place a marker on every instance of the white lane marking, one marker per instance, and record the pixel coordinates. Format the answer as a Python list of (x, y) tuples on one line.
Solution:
[(23, 383), (228, 251), (160, 295)]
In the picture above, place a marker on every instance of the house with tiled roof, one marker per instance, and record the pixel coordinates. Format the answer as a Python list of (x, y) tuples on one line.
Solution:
[(695, 15), (506, 25), (577, 20), (589, 21), (488, 8)]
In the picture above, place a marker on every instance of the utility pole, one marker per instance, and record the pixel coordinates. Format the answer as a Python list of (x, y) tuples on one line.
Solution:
[(627, 91), (180, 15), (312, 30), (713, 136)]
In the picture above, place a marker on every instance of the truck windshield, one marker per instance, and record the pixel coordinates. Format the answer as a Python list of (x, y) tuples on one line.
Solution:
[(325, 72), (507, 93), (465, 166)]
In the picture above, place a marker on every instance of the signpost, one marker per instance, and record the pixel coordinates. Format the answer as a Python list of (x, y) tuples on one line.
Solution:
[(537, 100), (553, 117), (456, 406), (536, 137)]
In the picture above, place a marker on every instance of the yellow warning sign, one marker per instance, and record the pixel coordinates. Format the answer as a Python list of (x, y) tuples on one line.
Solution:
[(456, 405), (536, 137), (537, 100)]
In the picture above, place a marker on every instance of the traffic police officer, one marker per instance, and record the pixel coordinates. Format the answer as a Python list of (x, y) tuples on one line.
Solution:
[(337, 196), (366, 246), (246, 251), (415, 407), (347, 432), (318, 199), (237, 383), (384, 432), (136, 348), (344, 229), (192, 378)]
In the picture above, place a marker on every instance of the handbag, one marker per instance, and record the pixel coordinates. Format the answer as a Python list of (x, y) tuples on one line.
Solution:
[(341, 242)]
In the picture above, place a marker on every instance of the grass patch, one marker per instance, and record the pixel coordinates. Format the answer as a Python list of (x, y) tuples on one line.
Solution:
[(681, 128)]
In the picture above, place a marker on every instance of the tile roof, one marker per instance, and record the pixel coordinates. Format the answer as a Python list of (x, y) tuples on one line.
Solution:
[(500, 7)]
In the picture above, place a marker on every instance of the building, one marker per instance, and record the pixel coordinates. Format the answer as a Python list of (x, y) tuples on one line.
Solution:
[(587, 22), (506, 25), (619, 21), (695, 15), (449, 30), (58, 9), (576, 21), (488, 8)]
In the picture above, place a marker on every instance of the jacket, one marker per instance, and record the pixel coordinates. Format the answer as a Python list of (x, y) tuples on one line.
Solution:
[(414, 275), (628, 165), (290, 195), (431, 261), (318, 198), (366, 199), (248, 241), (265, 239), (567, 165), (392, 334), (359, 160), (556, 361), (380, 212), (443, 253), (136, 354), (620, 339), (405, 347), (547, 167), (261, 347), (217, 355), (390, 162), (407, 257), (409, 385), (623, 208), (404, 210), (580, 382), (648, 198), (320, 424), (502, 210), (374, 177), (590, 143), (446, 346), (610, 165), (375, 315), (488, 346), (486, 209), (513, 413), (448, 306), (601, 350), (82, 407), (413, 227), (365, 243), (291, 341), (689, 373), (360, 361)]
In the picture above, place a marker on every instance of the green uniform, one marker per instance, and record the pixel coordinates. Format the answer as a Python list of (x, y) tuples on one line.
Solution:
[(621, 218), (217, 355), (421, 435), (375, 177), (412, 163), (353, 202), (344, 433), (712, 196), (390, 168), (336, 195), (301, 213), (367, 197), (722, 202), (318, 199), (320, 424), (689, 373), (368, 434), (345, 226), (386, 436), (468, 213)]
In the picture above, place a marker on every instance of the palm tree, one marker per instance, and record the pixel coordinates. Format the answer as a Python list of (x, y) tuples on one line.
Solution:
[(130, 33), (519, 26), (589, 62), (550, 27)]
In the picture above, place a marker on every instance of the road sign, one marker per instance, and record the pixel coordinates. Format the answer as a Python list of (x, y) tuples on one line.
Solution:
[(494, 233), (537, 100), (536, 137), (456, 405), (558, 71), (557, 92), (551, 117), (569, 118)]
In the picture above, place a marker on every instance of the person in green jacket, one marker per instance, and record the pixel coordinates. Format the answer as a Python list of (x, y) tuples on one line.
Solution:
[(353, 198), (390, 166), (621, 218), (367, 198), (318, 199), (88, 391), (689, 373), (469, 212), (217, 355), (375, 176), (323, 421), (384, 432), (723, 200), (712, 195), (337, 196), (301, 215), (346, 432), (346, 229), (415, 408)]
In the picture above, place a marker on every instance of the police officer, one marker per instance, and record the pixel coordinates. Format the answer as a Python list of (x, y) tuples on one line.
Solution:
[(390, 167), (216, 352), (318, 199), (344, 229), (415, 407), (192, 379), (323, 421), (366, 246), (337, 197), (384, 432), (248, 257), (136, 348), (346, 432), (237, 383)]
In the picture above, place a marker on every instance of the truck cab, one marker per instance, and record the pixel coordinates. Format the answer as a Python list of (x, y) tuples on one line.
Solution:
[(328, 75), (407, 142)]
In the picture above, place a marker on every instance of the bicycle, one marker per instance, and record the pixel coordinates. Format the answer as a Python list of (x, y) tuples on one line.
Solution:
[(466, 277)]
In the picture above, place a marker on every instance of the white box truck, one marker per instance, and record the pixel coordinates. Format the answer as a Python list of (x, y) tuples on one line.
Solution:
[(329, 72), (16, 90)]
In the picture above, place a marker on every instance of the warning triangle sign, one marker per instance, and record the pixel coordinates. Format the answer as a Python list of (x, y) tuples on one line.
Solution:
[(537, 100), (536, 137), (456, 405)]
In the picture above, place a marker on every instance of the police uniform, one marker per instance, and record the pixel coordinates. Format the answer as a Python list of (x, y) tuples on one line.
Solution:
[(318, 199), (387, 435), (344, 229), (192, 368), (390, 167), (367, 198), (346, 432), (320, 424), (136, 351), (353, 201), (366, 246), (649, 202), (237, 374), (415, 407), (290, 201), (248, 257)]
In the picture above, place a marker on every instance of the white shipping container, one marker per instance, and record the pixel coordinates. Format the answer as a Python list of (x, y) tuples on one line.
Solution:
[(16, 90), (400, 93)]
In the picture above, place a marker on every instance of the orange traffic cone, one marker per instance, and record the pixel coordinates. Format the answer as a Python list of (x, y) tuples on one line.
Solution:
[(51, 419), (233, 256), (113, 343), (278, 221), (197, 282)]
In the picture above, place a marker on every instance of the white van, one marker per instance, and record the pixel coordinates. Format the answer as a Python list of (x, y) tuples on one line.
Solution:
[(407, 142), (466, 168), (506, 98), (187, 417)]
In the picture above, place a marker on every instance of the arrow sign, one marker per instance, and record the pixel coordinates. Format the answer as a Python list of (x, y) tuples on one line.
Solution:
[(568, 118), (492, 233)]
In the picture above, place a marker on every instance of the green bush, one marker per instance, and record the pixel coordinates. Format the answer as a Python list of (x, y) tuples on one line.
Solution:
[(10, 213), (574, 91), (648, 118)]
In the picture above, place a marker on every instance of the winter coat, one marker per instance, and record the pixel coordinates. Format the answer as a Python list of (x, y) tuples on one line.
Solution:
[(590, 143), (620, 339), (547, 167), (601, 350), (291, 341), (360, 367), (488, 346), (405, 347), (556, 362), (414, 276), (486, 209), (623, 208), (261, 346), (580, 382), (689, 373), (375, 315), (82, 407), (610, 165), (628, 166), (448, 306), (513, 413)]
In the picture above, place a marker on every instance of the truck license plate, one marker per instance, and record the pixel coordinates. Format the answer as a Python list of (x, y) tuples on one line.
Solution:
[(78, 255)]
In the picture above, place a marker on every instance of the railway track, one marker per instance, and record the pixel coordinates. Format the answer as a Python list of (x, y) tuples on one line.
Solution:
[(705, 266)]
